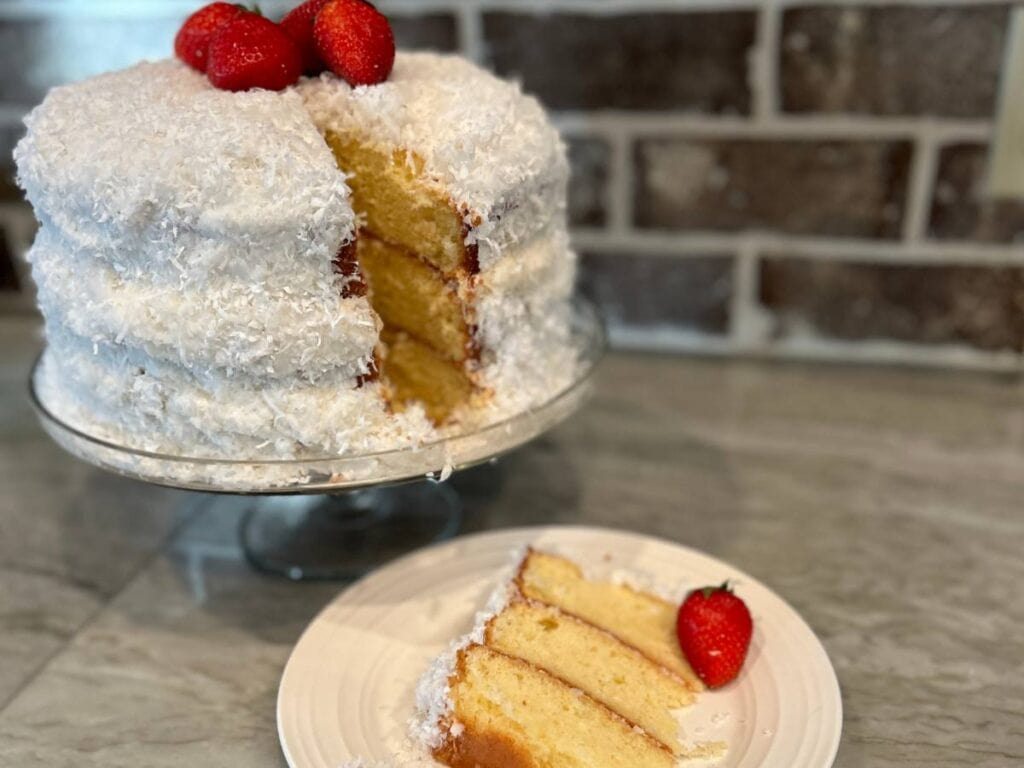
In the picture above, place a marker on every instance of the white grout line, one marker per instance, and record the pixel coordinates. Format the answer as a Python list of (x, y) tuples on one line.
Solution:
[(471, 32), (814, 127), (747, 324), (695, 243), (1004, 172), (917, 207), (763, 74), (667, 339), (688, 125), (619, 195), (893, 352)]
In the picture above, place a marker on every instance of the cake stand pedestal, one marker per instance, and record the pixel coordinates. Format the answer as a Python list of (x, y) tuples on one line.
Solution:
[(344, 535), (336, 517)]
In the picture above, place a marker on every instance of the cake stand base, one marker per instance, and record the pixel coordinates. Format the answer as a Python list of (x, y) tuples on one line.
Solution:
[(341, 536)]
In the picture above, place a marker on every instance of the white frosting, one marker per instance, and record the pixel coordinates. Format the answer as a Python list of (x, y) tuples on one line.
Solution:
[(486, 144), (229, 327), (433, 694), (523, 323), (158, 173), (122, 395), (117, 370), (184, 256)]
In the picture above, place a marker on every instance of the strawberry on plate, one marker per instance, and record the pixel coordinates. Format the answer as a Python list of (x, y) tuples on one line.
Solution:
[(355, 41), (714, 629), (298, 23), (192, 43), (253, 52)]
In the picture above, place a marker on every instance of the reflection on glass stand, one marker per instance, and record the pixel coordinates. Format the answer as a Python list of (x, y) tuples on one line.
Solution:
[(342, 536), (336, 517)]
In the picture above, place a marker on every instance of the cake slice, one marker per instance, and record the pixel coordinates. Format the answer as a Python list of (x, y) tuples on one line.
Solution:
[(596, 662), (539, 683), (639, 619), (508, 713)]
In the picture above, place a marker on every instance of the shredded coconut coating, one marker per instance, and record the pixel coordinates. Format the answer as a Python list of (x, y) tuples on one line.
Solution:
[(184, 259), (488, 146), (433, 693), (523, 317)]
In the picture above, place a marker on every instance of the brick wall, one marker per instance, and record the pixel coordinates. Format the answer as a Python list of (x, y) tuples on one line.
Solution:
[(776, 177)]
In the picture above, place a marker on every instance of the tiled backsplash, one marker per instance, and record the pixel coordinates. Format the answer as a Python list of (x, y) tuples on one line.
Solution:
[(776, 177)]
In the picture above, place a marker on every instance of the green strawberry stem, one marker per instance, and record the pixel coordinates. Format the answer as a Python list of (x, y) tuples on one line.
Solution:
[(709, 591)]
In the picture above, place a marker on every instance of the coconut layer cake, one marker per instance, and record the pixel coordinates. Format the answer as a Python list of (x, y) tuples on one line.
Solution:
[(318, 271)]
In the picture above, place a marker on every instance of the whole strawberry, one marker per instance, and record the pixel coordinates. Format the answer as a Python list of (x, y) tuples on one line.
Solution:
[(192, 43), (355, 41), (252, 52), (298, 23), (714, 629)]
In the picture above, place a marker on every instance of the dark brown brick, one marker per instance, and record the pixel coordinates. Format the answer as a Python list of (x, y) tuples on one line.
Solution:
[(689, 293), (891, 60), (683, 61), (432, 31), (8, 276), (960, 211), (9, 190), (588, 186), (930, 304), (841, 188)]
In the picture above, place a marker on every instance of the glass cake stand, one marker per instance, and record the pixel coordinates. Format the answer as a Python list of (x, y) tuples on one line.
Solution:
[(335, 517)]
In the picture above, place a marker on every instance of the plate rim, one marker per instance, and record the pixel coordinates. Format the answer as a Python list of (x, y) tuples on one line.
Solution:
[(833, 694)]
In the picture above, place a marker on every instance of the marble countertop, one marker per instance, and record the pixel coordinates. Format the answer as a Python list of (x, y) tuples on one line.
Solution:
[(884, 505)]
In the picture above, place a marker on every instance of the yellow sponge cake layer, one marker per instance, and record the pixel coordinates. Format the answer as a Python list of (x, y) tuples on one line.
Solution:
[(400, 205), (415, 372), (641, 620), (514, 715), (596, 662), (412, 296)]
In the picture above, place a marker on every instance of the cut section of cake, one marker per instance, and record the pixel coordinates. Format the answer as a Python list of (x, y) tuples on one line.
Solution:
[(538, 686), (411, 296), (392, 191), (451, 172), (416, 373), (419, 274)]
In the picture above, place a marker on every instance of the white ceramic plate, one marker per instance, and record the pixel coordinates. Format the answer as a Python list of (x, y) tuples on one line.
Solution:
[(347, 691)]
